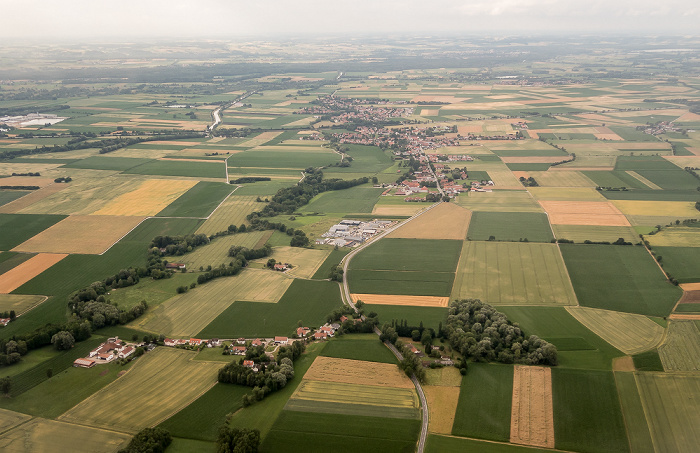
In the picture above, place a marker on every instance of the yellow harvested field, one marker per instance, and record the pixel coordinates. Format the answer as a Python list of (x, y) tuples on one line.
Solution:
[(31, 198), (595, 233), (569, 194), (605, 133), (567, 179), (445, 221), (690, 286), (147, 404), (499, 201), (358, 372), (682, 209), (8, 419), (532, 410), (149, 199), (532, 159), (260, 139), (87, 234), (400, 209), (583, 213), (233, 211), (442, 404), (675, 237), (47, 436), (26, 181), (305, 261), (20, 303), (684, 161), (366, 394), (187, 314), (8, 168), (627, 332), (22, 273), (413, 301)]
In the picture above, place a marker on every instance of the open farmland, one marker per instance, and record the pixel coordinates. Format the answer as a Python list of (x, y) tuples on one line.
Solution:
[(233, 211), (595, 233), (566, 194), (513, 274), (681, 348), (354, 200), (620, 278), (499, 201), (305, 262), (186, 314), (414, 301), (17, 228), (442, 404), (9, 419), (399, 255), (149, 199), (679, 209), (18, 204), (199, 201), (215, 253), (682, 263), (147, 404), (446, 221), (633, 411), (39, 435), (672, 408), (578, 394), (305, 300), (561, 178), (347, 371), (90, 234), (358, 347), (509, 226), (24, 272), (531, 420), (19, 303), (675, 237), (628, 332), (407, 283), (583, 213), (448, 444), (180, 168)]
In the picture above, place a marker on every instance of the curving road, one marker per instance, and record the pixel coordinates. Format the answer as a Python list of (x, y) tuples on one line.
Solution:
[(348, 301)]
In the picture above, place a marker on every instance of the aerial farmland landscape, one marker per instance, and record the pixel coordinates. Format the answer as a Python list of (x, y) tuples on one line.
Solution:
[(387, 242)]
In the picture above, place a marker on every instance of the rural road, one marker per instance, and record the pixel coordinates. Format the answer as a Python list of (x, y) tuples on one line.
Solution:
[(348, 300)]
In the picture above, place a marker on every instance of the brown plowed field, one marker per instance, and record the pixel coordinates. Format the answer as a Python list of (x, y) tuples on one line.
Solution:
[(690, 297), (26, 181), (413, 301), (583, 213), (445, 221), (532, 413), (30, 199), (88, 234), (21, 274), (348, 371)]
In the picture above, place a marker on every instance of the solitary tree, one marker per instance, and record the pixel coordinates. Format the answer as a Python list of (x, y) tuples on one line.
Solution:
[(63, 340)]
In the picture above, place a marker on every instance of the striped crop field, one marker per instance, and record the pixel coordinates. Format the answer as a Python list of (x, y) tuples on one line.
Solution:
[(681, 350), (233, 211)]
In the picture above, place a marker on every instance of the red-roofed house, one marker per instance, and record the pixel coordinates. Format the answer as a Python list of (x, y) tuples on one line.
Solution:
[(303, 331), (195, 341), (343, 318), (84, 363), (281, 340), (257, 342), (126, 351), (4, 321), (249, 364), (238, 350), (320, 336)]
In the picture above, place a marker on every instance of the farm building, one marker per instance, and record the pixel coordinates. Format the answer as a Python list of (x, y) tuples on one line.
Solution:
[(281, 340), (83, 363)]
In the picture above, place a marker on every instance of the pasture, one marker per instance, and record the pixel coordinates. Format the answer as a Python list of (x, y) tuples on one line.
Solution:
[(233, 211), (152, 291), (215, 253), (681, 348), (485, 414), (17, 228), (577, 395), (48, 435), (513, 274), (675, 237), (18, 302), (358, 347), (354, 200), (151, 197), (91, 235), (24, 272), (672, 408), (583, 213), (445, 221), (531, 419), (305, 300), (429, 316), (630, 333), (305, 262), (187, 314), (510, 226), (199, 201), (619, 278), (147, 404), (499, 201), (595, 233)]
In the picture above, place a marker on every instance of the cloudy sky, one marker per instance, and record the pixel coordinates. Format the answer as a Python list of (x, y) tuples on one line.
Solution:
[(127, 19)]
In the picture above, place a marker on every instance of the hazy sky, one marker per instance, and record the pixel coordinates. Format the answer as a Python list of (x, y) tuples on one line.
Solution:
[(127, 19)]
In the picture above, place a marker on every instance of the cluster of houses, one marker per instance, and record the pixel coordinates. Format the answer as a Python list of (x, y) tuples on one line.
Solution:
[(108, 351), (345, 110), (322, 333), (350, 233), (4, 321), (661, 127)]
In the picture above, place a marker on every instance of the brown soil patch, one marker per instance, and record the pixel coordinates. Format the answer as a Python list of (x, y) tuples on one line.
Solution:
[(690, 297), (104, 373), (31, 198), (676, 316), (563, 168), (521, 174), (623, 364), (584, 213), (690, 286), (442, 403), (444, 221), (533, 159), (26, 181), (532, 413), (357, 372), (689, 117), (87, 234), (21, 274), (414, 301)]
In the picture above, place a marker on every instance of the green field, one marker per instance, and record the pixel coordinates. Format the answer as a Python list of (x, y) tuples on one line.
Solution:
[(283, 157), (305, 300), (352, 200), (202, 418), (359, 347), (365, 159), (306, 431), (613, 178), (510, 226), (409, 255), (578, 347), (587, 413), (430, 317), (107, 163), (8, 260), (484, 404), (445, 444), (675, 179), (199, 201), (185, 168), (6, 196), (682, 263), (648, 361), (635, 421), (416, 283), (642, 163), (513, 274), (331, 260), (17, 228), (620, 278), (152, 291), (595, 233)]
